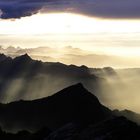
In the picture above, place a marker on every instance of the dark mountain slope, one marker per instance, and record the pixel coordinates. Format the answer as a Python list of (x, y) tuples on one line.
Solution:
[(25, 63), (3, 57), (135, 117), (72, 114), (117, 128), (71, 105), (25, 135)]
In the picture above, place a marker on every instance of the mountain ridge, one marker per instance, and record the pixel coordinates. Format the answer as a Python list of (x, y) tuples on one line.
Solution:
[(34, 73), (72, 104), (72, 113)]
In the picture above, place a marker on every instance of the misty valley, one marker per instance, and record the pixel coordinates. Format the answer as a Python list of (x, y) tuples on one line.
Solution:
[(55, 101)]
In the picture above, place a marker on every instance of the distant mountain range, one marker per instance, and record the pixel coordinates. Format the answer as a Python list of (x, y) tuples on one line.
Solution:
[(25, 78), (71, 114), (135, 117), (71, 55)]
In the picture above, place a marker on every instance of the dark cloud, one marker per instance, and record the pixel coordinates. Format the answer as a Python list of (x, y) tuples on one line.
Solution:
[(98, 8), (19, 8)]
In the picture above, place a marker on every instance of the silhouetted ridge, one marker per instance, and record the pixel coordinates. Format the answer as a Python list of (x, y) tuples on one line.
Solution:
[(36, 74), (79, 88), (71, 105), (77, 93), (24, 58), (3, 57), (133, 116)]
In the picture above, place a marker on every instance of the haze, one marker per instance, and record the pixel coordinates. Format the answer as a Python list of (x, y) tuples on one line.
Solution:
[(100, 36), (94, 33)]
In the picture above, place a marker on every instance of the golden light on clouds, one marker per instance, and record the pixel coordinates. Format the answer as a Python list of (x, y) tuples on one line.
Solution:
[(66, 23), (100, 36)]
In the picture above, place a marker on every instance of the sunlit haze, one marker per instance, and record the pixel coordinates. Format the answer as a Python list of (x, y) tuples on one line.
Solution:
[(118, 37)]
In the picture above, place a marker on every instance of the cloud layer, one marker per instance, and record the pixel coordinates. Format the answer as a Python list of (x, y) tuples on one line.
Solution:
[(69, 55), (97, 8)]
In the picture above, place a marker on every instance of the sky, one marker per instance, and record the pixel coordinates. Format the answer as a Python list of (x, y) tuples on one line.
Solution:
[(105, 27)]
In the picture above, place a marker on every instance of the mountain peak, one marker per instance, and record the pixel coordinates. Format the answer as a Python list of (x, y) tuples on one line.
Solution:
[(77, 94), (73, 104), (3, 57), (24, 57), (74, 90), (78, 85)]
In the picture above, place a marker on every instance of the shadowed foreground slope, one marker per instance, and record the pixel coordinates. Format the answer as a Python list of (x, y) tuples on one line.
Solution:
[(71, 114), (71, 105)]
